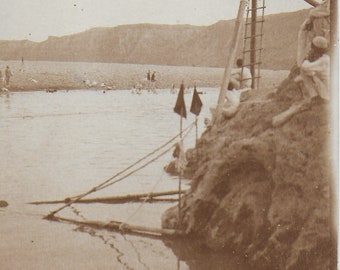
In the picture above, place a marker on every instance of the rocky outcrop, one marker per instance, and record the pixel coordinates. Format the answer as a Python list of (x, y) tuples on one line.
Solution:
[(260, 191), (177, 45)]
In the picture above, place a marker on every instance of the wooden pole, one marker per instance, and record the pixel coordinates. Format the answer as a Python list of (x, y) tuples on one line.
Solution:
[(253, 41), (180, 178), (120, 226), (196, 120), (314, 3), (334, 186), (233, 46), (117, 199)]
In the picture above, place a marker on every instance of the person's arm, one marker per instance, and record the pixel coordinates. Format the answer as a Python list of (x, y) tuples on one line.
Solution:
[(317, 65)]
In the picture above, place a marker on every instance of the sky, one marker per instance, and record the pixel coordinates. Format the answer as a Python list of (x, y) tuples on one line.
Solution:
[(37, 19)]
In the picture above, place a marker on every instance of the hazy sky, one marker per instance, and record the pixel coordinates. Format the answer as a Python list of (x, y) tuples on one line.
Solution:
[(38, 19)]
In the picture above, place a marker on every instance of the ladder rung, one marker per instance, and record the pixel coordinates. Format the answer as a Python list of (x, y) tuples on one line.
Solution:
[(258, 35), (256, 77), (253, 50), (261, 21), (252, 64), (250, 9), (242, 80)]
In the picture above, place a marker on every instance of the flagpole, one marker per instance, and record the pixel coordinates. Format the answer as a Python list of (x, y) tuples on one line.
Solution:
[(196, 120), (180, 176), (181, 110)]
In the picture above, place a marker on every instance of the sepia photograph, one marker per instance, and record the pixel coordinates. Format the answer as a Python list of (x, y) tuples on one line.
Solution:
[(169, 135)]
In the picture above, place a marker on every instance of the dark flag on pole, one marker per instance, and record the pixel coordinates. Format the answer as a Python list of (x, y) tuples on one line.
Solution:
[(196, 103), (180, 104)]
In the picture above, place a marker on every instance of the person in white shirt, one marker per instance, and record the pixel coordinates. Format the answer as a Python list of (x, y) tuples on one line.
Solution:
[(241, 78), (314, 76), (240, 82), (314, 80)]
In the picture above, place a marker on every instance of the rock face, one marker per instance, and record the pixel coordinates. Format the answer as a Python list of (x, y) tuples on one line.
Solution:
[(261, 191), (176, 45)]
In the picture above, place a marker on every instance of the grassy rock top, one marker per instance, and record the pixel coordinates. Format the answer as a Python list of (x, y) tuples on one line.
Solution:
[(261, 191)]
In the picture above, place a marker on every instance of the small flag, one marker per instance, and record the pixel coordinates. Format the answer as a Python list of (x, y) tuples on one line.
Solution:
[(196, 103), (180, 104)]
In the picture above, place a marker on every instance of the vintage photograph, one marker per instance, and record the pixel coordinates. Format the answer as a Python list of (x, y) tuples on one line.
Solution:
[(169, 135)]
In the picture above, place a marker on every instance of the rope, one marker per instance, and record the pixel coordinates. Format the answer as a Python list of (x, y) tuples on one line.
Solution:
[(107, 183), (144, 165), (142, 203)]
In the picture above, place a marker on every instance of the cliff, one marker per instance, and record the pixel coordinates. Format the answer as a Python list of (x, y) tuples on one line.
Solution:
[(180, 45), (263, 192)]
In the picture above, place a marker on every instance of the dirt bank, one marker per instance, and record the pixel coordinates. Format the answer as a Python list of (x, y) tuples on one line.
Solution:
[(263, 192), (43, 75)]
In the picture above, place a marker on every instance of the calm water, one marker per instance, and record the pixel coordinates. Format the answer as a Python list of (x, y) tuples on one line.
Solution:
[(56, 145)]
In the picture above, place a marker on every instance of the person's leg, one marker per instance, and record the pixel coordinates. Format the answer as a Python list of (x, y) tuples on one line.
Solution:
[(308, 86), (234, 83), (229, 111)]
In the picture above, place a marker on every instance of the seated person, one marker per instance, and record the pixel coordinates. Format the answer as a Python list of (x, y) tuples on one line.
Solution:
[(314, 74), (240, 82), (314, 79), (231, 104), (242, 77)]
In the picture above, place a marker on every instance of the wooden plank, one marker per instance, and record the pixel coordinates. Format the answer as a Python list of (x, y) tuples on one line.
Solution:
[(121, 227), (233, 46), (148, 197)]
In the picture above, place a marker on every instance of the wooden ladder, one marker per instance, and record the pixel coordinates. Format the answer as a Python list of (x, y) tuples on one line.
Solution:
[(253, 37)]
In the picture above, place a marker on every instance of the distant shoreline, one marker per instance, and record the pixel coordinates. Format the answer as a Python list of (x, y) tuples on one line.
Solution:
[(49, 76)]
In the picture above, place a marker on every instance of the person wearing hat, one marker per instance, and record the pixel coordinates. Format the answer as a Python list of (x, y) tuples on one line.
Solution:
[(315, 70)]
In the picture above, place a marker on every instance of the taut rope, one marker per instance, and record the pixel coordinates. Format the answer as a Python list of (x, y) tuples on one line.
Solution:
[(109, 181)]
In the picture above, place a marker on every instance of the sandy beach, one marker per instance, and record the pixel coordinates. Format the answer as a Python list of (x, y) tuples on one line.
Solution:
[(45, 75)]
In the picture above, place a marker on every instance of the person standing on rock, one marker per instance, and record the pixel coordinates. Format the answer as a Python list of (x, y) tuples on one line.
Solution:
[(8, 75)]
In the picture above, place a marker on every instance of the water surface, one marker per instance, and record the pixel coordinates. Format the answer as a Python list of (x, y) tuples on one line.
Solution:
[(57, 145)]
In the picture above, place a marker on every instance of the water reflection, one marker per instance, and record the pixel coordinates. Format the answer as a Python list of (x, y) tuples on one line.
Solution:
[(197, 257)]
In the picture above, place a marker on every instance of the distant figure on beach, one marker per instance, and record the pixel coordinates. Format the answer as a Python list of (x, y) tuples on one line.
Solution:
[(173, 89), (241, 78), (8, 75), (148, 76), (22, 60), (153, 76), (1, 80)]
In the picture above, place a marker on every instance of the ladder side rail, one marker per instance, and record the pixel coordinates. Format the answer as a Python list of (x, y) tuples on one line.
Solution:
[(253, 39), (261, 44), (245, 41)]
